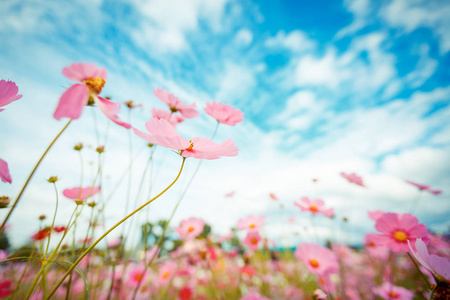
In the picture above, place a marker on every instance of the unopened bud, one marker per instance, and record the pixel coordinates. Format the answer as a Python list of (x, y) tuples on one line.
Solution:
[(42, 217), (92, 204), (4, 201), (79, 201), (78, 147), (150, 145), (100, 149), (53, 179)]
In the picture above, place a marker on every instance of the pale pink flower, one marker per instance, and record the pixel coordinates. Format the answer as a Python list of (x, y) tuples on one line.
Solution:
[(190, 228), (374, 249), (353, 178), (166, 272), (315, 207), (114, 243), (73, 101), (163, 114), (273, 196), (224, 113), (375, 214), (439, 266), (252, 240), (136, 274), (164, 134), (8, 93), (186, 110), (320, 295), (230, 194), (318, 259), (251, 223), (423, 187), (397, 229), (4, 171), (79, 193), (390, 291)]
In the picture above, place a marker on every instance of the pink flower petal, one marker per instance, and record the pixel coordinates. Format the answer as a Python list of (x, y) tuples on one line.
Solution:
[(72, 102), (4, 171), (81, 193), (82, 71), (223, 113), (8, 92), (206, 149), (164, 134), (110, 110)]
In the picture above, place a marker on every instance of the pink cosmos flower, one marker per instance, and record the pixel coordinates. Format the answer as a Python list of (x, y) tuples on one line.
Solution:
[(163, 114), (4, 171), (186, 110), (79, 193), (162, 133), (373, 248), (318, 259), (230, 194), (137, 274), (397, 229), (353, 178), (190, 228), (166, 272), (73, 101), (254, 296), (315, 207), (8, 92), (320, 295), (273, 196), (390, 291), (224, 113), (251, 223), (252, 240), (437, 265), (423, 187)]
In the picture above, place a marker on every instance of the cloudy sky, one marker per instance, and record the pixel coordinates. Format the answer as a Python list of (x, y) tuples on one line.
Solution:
[(325, 86)]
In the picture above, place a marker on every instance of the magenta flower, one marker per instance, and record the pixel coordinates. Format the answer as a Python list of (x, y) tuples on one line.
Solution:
[(5, 288), (79, 193), (224, 113), (73, 101), (186, 110), (190, 228), (136, 275), (251, 223), (162, 114), (423, 187), (353, 178), (8, 93), (162, 133), (315, 207), (318, 259), (4, 171), (390, 291), (397, 229), (437, 265), (252, 240)]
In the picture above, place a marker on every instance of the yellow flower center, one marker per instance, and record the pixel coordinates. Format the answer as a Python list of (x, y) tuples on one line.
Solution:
[(95, 84), (314, 263), (165, 275), (400, 236), (190, 147), (190, 229), (252, 226), (313, 208)]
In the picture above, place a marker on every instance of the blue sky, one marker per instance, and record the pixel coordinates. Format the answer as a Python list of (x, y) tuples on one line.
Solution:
[(326, 86)]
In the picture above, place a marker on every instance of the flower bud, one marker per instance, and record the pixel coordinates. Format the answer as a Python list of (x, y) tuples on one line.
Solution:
[(78, 147), (42, 217), (53, 179), (92, 204), (4, 201), (100, 149), (79, 202)]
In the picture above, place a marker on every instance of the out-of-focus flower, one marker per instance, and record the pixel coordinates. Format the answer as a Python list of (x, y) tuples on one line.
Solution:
[(186, 110), (252, 240), (73, 101), (374, 249), (4, 171), (254, 296), (224, 113), (273, 196), (166, 272), (439, 266), (318, 259), (81, 194), (41, 234), (59, 228), (423, 187), (251, 223), (114, 243), (162, 114), (390, 291), (397, 229), (224, 238), (5, 288), (230, 194), (315, 207), (375, 214), (162, 133), (8, 93), (320, 295), (190, 228), (185, 293), (353, 178), (137, 274)]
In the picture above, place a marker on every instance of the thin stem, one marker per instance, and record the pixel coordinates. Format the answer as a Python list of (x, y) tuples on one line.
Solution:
[(53, 222), (111, 229), (31, 175)]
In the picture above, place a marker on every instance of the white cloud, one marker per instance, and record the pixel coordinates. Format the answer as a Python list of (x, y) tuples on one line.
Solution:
[(410, 15), (425, 67), (236, 83), (361, 12), (243, 37), (295, 41)]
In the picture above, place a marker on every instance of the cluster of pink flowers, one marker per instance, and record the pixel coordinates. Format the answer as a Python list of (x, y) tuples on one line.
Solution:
[(252, 224)]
